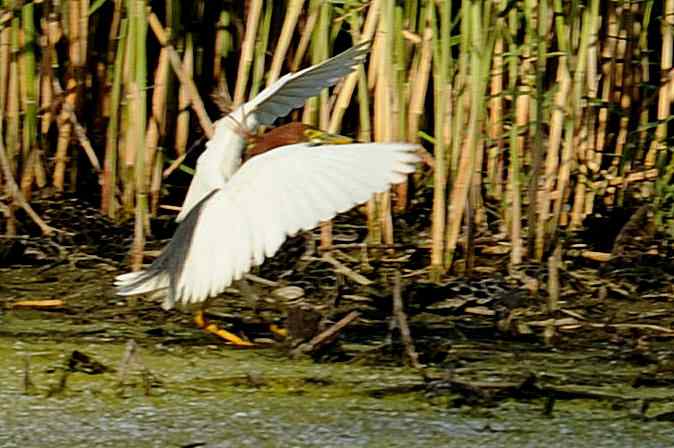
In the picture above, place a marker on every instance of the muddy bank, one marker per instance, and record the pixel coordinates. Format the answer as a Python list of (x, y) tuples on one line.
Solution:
[(594, 383)]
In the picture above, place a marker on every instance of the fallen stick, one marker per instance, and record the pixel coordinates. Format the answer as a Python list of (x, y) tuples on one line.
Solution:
[(401, 318), (325, 336), (343, 269), (47, 303)]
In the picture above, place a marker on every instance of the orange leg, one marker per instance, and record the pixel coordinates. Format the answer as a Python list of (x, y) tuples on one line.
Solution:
[(278, 331), (208, 327)]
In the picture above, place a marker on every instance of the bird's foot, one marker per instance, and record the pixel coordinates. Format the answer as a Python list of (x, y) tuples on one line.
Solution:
[(211, 328), (278, 331)]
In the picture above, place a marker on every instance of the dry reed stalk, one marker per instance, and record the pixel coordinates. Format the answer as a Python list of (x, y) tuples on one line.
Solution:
[(305, 37), (589, 45), (156, 128), (550, 216), (127, 118), (292, 15), (72, 88), (155, 182), (479, 213), (475, 215), (515, 195), (495, 124), (363, 101), (13, 117), (26, 156), (643, 76), (137, 99), (47, 41), (400, 96), (105, 106), (365, 130), (109, 204), (440, 86), (553, 154), (374, 205), (83, 29), (5, 35), (579, 197), (347, 88), (182, 74), (420, 85), (183, 119), (26, 179), (383, 123), (461, 100), (4, 76), (261, 44), (560, 217), (536, 33), (624, 89), (608, 55), (247, 51), (75, 36), (666, 85), (636, 82), (522, 105), (554, 263), (316, 110), (310, 111), (372, 69), (223, 43), (78, 52), (28, 96), (321, 53)]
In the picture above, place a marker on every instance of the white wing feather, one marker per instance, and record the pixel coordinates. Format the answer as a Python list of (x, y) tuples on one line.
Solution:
[(270, 197), (222, 156), (277, 194), (293, 89)]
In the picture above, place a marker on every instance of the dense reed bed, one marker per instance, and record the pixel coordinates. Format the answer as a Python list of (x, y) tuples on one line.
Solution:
[(536, 112)]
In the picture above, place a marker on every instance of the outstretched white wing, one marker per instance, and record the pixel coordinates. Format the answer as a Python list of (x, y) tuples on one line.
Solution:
[(223, 151), (272, 196), (293, 89)]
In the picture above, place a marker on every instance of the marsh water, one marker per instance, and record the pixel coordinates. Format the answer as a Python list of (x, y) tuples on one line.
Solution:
[(183, 388)]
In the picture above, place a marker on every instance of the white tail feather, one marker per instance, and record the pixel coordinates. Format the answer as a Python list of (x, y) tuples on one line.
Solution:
[(125, 283)]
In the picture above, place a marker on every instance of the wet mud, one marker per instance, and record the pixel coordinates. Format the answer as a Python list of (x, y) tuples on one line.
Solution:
[(496, 370)]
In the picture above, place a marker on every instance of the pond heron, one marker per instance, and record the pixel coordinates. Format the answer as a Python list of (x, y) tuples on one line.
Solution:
[(235, 215)]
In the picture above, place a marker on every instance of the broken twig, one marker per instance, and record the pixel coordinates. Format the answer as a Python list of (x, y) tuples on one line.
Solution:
[(401, 317), (326, 336)]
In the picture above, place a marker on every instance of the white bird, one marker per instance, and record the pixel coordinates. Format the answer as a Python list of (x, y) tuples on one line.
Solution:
[(234, 216)]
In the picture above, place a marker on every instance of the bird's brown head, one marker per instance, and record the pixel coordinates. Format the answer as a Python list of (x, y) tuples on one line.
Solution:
[(289, 134)]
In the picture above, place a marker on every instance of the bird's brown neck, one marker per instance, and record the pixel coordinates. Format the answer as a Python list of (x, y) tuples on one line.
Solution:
[(286, 134)]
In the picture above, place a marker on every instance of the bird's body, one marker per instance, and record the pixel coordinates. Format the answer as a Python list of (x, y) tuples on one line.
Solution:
[(236, 215)]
